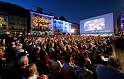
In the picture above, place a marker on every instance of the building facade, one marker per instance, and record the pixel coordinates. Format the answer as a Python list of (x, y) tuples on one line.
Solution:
[(16, 19), (75, 29), (60, 26), (41, 24), (13, 18)]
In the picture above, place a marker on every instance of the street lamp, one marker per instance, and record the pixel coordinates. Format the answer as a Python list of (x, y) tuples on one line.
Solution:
[(72, 30)]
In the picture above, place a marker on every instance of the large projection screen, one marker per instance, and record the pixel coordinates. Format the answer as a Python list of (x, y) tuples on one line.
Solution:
[(97, 25)]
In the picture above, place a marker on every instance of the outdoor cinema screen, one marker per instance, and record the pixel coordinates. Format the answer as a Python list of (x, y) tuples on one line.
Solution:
[(99, 24)]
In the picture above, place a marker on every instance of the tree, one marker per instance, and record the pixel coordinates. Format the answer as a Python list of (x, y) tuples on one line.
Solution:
[(39, 10), (62, 18)]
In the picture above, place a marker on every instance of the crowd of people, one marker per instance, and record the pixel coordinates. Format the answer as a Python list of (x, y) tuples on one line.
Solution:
[(58, 57)]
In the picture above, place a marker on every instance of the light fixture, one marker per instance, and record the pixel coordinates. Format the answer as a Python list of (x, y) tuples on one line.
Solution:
[(72, 30)]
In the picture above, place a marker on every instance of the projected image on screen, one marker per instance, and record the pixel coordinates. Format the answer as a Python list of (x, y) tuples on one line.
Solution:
[(95, 25)]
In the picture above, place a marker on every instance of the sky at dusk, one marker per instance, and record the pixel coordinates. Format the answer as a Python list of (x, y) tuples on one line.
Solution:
[(73, 10)]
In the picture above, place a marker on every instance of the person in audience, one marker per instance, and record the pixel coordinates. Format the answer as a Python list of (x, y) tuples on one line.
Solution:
[(81, 72), (31, 72), (110, 71), (58, 57), (67, 70)]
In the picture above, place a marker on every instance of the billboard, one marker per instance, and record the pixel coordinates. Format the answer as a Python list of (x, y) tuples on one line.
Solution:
[(99, 24), (61, 26), (41, 22)]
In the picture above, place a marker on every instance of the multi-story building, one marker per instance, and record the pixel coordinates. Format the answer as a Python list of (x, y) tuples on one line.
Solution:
[(13, 18), (41, 24), (60, 26)]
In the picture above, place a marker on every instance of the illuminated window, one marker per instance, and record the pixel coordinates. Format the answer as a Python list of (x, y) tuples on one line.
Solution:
[(3, 22), (40, 22)]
